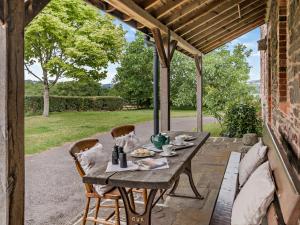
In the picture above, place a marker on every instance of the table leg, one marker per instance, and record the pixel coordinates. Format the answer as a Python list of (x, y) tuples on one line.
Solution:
[(188, 172), (134, 218)]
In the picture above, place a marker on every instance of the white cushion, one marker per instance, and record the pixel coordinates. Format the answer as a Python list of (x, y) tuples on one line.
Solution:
[(88, 159), (253, 200), (128, 141), (252, 159)]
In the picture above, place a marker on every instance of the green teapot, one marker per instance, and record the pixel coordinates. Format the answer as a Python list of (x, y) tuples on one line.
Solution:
[(159, 140)]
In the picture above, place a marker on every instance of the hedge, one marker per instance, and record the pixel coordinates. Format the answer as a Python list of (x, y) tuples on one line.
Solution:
[(34, 104)]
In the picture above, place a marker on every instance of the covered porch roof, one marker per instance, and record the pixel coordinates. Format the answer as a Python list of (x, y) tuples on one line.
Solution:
[(199, 26)]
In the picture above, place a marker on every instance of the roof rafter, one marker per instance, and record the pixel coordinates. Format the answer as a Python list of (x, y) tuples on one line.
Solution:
[(220, 20), (209, 14), (214, 9), (166, 8), (183, 11), (149, 4), (222, 40), (140, 15), (228, 26)]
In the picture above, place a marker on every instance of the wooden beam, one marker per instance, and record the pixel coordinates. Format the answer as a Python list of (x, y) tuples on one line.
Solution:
[(239, 11), (129, 7), (220, 20), (199, 92), (160, 47), (168, 7), (224, 40), (110, 9), (235, 34), (139, 25), (193, 23), (232, 26), (164, 87), (126, 18), (184, 11), (173, 46), (230, 29), (204, 20), (149, 4), (165, 48), (12, 112), (32, 9)]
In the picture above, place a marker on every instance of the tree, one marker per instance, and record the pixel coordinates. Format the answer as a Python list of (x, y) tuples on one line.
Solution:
[(225, 79), (133, 81), (225, 75), (183, 82), (70, 38)]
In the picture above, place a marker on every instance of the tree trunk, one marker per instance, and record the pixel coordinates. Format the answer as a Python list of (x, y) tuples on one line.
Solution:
[(46, 100)]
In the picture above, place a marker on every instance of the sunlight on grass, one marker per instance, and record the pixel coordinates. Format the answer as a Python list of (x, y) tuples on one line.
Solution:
[(43, 133), (213, 128)]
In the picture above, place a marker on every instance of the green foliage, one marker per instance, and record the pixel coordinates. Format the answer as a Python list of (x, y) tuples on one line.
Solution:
[(34, 104), (225, 75), (183, 82), (133, 81), (241, 119), (67, 88), (33, 88), (225, 79), (72, 39), (78, 88)]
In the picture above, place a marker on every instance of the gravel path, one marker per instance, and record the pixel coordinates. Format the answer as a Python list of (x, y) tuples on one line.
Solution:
[(54, 192)]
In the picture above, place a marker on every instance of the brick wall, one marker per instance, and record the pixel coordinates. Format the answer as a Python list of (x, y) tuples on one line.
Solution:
[(280, 71)]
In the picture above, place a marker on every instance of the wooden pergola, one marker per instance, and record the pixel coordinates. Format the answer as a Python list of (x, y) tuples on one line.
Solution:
[(194, 27)]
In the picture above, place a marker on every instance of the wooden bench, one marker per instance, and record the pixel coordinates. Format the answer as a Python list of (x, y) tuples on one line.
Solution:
[(285, 209), (222, 211)]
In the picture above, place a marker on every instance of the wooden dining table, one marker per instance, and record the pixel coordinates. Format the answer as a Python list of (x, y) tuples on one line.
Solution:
[(153, 180)]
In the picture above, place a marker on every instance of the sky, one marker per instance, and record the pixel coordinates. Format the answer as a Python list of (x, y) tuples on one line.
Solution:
[(250, 40)]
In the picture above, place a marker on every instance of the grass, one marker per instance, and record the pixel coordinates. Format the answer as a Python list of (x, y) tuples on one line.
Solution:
[(213, 128), (43, 133)]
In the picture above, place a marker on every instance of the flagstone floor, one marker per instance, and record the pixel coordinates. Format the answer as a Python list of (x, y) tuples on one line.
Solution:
[(208, 167)]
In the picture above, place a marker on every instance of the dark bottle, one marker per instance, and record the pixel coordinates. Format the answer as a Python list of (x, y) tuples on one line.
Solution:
[(120, 150), (123, 160), (115, 156), (116, 148)]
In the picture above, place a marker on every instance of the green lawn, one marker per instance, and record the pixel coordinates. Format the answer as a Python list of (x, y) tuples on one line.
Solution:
[(42, 133)]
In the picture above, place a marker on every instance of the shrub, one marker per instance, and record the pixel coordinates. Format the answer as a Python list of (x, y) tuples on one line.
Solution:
[(34, 104), (240, 119)]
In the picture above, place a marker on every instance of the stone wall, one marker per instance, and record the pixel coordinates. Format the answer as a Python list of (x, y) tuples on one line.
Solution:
[(280, 71)]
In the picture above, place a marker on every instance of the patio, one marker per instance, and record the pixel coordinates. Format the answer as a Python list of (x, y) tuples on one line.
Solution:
[(194, 28), (208, 166)]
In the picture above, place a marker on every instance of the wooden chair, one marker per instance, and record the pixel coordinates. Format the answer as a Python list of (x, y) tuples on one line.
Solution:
[(123, 130), (90, 193)]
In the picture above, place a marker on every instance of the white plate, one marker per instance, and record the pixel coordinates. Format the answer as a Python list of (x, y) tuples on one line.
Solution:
[(182, 144), (151, 153), (187, 137), (173, 153)]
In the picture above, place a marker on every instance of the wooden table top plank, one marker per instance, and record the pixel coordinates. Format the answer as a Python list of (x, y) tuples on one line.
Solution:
[(151, 179)]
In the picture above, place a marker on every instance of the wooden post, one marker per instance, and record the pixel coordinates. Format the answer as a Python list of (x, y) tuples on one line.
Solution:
[(11, 112), (165, 48), (199, 95), (155, 91)]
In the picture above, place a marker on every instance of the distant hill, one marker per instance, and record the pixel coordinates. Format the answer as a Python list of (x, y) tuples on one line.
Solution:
[(256, 85), (107, 86)]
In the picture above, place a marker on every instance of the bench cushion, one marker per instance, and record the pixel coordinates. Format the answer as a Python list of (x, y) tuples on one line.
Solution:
[(253, 200), (252, 159)]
